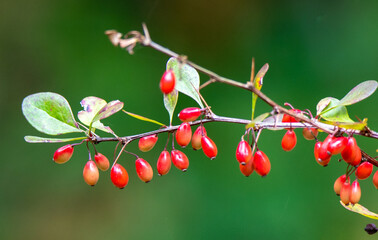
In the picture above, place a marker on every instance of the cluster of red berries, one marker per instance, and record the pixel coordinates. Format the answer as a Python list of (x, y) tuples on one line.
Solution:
[(118, 173)]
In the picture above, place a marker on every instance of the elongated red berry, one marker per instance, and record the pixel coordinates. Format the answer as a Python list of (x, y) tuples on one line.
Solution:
[(261, 163), (209, 148), (168, 82), (102, 162), (309, 133), (144, 170), (63, 154), (164, 163), (184, 134), (119, 176), (243, 152), (189, 114), (289, 140), (180, 160), (375, 179), (197, 135), (90, 173), (323, 152), (364, 170), (348, 154), (288, 118), (355, 192), (147, 143), (324, 162), (246, 169), (357, 157), (337, 145), (345, 193), (339, 183)]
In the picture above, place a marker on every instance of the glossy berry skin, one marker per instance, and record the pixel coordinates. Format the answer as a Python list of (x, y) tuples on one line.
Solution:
[(339, 183), (246, 169), (102, 162), (180, 160), (337, 145), (261, 163), (208, 147), (357, 157), (364, 170), (350, 150), (355, 192), (309, 133), (288, 118), (323, 152), (168, 82), (243, 152), (147, 143), (189, 114), (289, 141), (90, 173), (324, 162), (197, 135), (345, 193), (119, 176), (184, 134), (63, 154), (375, 179), (164, 163), (144, 170)]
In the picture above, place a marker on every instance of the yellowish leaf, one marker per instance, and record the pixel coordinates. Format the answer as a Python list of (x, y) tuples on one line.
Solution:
[(357, 208), (142, 118)]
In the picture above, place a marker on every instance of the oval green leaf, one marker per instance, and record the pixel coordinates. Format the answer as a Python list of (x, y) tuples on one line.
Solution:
[(359, 92), (108, 110), (49, 113), (333, 112), (34, 139), (357, 208), (187, 79), (170, 101)]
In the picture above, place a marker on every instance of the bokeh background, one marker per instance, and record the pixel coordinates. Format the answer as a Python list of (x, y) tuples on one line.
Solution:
[(315, 50)]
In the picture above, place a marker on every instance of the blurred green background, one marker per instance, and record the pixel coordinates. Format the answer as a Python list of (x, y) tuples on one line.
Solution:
[(314, 50)]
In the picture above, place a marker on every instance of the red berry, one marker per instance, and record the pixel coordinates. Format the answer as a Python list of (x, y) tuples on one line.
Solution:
[(261, 163), (168, 82), (180, 160), (147, 143), (355, 192), (345, 193), (337, 145), (197, 135), (339, 183), (243, 152), (323, 152), (102, 162), (375, 179), (246, 169), (357, 157), (289, 140), (209, 148), (288, 118), (90, 173), (164, 163), (324, 162), (63, 154), (119, 176), (309, 133), (364, 170), (184, 134), (144, 170), (189, 114), (350, 150)]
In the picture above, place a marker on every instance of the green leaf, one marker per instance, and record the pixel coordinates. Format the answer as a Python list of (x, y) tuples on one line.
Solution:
[(359, 92), (355, 125), (49, 113), (257, 83), (170, 101), (333, 112), (187, 79), (143, 118), (257, 119), (96, 109), (357, 208), (34, 139)]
